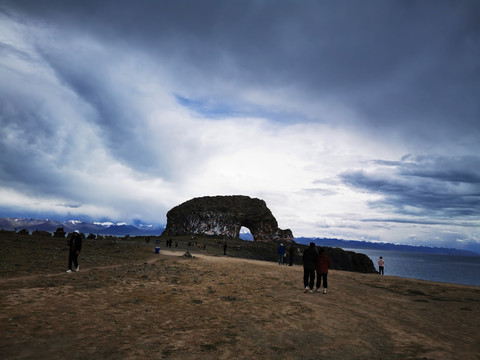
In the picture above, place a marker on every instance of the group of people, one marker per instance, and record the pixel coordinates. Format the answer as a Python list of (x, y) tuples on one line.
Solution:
[(285, 256), (315, 262), (168, 243)]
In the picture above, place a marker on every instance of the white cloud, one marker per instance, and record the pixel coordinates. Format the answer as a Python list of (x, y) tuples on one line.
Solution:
[(93, 124)]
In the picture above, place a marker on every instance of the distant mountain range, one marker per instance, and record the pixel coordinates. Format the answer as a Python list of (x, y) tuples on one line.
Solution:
[(122, 229), (354, 244), (69, 226)]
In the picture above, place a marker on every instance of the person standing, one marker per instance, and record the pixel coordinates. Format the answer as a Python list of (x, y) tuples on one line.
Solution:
[(309, 265), (291, 253), (75, 246), (281, 253), (323, 263), (381, 265)]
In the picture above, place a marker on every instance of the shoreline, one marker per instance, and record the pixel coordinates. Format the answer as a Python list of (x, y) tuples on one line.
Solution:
[(449, 269), (204, 255)]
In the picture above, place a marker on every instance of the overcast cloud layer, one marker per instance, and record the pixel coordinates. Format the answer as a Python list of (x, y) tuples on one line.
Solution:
[(351, 119)]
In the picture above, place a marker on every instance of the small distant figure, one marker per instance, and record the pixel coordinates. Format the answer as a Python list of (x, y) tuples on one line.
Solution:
[(309, 265), (75, 246), (225, 248), (176, 244), (291, 252), (381, 265), (281, 253), (323, 263)]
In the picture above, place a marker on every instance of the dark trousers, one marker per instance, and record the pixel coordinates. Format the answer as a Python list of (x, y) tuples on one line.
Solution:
[(72, 257), (319, 280), (308, 278), (380, 270)]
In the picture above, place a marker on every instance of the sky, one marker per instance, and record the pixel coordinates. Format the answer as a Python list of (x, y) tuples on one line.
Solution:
[(351, 119)]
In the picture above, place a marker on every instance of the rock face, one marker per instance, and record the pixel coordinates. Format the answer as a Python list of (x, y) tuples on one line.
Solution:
[(59, 233), (224, 216), (350, 261)]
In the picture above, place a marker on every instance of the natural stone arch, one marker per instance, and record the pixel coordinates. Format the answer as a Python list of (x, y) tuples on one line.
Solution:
[(245, 233), (225, 216)]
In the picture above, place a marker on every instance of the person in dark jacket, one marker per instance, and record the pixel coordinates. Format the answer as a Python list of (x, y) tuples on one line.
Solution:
[(309, 265), (74, 245), (291, 253), (281, 254), (323, 263)]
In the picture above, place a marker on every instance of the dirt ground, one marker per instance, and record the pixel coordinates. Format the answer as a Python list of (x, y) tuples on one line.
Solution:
[(128, 303)]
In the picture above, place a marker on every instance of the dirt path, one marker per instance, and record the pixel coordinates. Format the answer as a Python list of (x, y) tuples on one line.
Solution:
[(216, 307)]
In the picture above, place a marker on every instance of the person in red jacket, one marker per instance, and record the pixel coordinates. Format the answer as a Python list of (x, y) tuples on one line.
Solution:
[(323, 263)]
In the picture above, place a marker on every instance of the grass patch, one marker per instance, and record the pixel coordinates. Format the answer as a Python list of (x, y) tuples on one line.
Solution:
[(415, 292), (208, 347)]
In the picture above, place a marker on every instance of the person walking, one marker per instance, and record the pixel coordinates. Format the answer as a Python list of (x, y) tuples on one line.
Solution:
[(281, 253), (323, 263), (75, 246), (309, 265), (381, 264)]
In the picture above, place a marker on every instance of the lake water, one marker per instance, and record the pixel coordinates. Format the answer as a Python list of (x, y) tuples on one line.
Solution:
[(443, 268)]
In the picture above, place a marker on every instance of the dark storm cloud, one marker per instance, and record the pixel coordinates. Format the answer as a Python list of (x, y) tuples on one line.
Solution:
[(420, 222), (24, 140), (403, 66), (116, 118), (456, 170), (34, 145), (121, 107), (425, 186)]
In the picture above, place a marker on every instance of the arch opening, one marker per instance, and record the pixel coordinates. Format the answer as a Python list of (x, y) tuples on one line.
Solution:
[(245, 234)]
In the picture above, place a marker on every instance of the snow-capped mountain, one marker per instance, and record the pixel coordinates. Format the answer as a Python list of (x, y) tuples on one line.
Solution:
[(104, 228)]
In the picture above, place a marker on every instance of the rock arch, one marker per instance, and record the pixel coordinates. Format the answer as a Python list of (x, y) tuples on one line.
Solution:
[(225, 216)]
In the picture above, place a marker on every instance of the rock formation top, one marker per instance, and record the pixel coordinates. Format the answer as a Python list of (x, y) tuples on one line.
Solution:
[(225, 216)]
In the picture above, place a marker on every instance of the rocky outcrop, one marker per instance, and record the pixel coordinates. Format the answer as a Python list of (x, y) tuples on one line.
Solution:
[(225, 216), (349, 260), (59, 233)]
